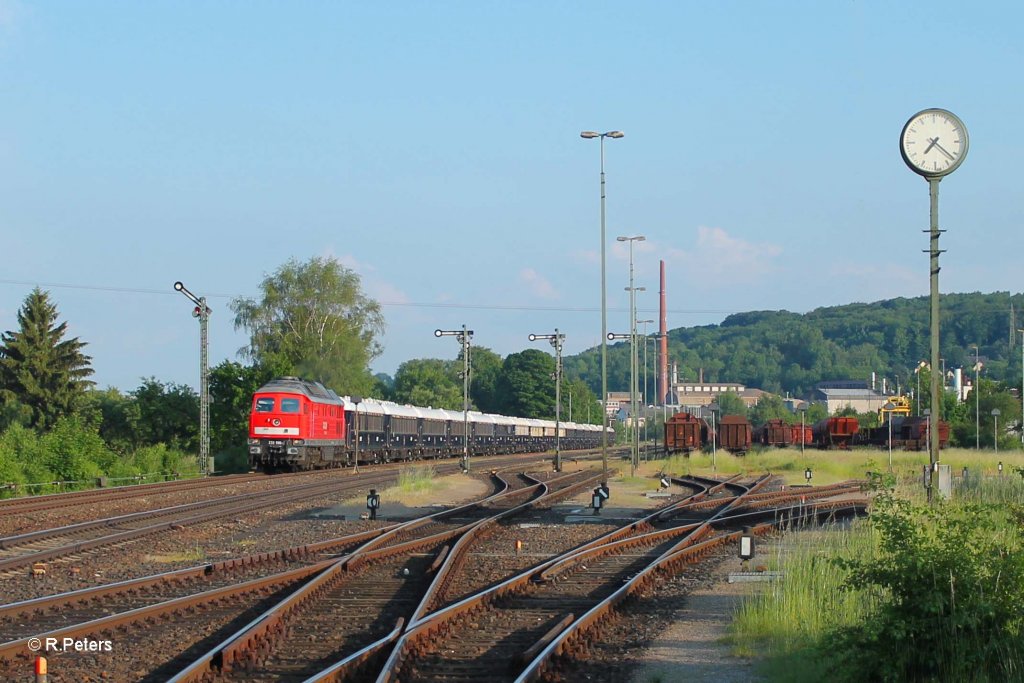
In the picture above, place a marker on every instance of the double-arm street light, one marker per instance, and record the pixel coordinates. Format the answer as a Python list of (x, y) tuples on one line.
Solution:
[(888, 408), (977, 399), (464, 337), (590, 135), (645, 400), (612, 336), (635, 443), (202, 311), (556, 340)]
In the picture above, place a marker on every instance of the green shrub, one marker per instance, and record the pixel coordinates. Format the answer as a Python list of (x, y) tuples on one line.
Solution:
[(951, 586)]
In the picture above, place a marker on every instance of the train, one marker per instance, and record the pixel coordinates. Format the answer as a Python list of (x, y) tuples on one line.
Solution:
[(685, 433), (297, 424)]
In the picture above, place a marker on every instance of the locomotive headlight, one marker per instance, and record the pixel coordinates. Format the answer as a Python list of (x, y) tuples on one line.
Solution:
[(276, 422), (254, 442)]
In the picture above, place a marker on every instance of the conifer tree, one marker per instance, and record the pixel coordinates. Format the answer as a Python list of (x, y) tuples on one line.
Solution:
[(40, 371)]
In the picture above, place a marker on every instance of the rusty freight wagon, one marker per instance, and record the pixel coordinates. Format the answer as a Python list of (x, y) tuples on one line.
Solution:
[(836, 432), (801, 435), (735, 434), (775, 433), (684, 433)]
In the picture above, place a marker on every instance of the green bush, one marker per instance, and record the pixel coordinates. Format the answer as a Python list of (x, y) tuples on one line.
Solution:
[(950, 583)]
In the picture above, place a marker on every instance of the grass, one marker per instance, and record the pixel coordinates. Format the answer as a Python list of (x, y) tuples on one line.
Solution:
[(784, 619), (784, 622)]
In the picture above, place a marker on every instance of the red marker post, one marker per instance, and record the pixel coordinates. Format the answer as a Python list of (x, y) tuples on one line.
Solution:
[(41, 670)]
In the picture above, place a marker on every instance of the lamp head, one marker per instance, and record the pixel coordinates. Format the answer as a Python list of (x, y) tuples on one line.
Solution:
[(589, 134), (615, 134)]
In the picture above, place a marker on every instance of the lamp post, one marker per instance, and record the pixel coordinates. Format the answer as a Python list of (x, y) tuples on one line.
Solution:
[(888, 408), (644, 394), (356, 400), (927, 429), (615, 135), (612, 336), (714, 438), (917, 371), (464, 337), (202, 312), (995, 428), (1021, 386), (635, 443), (803, 429), (556, 340), (977, 400)]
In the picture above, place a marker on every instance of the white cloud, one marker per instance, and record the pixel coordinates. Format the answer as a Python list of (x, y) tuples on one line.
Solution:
[(714, 254), (537, 284)]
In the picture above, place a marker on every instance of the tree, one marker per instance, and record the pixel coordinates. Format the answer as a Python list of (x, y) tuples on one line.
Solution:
[(485, 371), (428, 382), (525, 385), (315, 320), (731, 404), (770, 407), (167, 414), (586, 409), (39, 369)]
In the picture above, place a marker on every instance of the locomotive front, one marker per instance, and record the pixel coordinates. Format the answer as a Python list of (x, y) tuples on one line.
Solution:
[(275, 430)]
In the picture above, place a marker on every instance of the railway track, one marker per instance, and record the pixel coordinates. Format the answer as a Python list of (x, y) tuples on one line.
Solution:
[(41, 546), (415, 601)]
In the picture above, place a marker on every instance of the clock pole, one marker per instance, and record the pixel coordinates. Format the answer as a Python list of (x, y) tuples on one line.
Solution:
[(933, 424), (933, 143)]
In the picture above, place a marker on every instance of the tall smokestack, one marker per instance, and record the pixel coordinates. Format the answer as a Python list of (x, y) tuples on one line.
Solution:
[(663, 344)]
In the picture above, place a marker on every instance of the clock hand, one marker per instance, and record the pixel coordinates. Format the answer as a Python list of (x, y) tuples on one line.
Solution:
[(931, 144), (943, 150)]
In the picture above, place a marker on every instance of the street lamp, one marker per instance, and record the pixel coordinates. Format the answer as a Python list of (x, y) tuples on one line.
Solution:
[(803, 429), (644, 395), (888, 408), (612, 336), (917, 371), (1021, 386), (928, 429), (464, 337), (977, 400), (202, 311), (556, 340), (714, 438), (995, 428), (635, 443), (615, 135), (356, 400)]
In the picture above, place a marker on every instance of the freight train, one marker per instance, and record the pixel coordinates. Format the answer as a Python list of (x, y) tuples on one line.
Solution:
[(685, 433), (296, 424)]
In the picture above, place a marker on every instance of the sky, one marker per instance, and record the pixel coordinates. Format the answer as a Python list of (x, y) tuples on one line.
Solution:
[(434, 148)]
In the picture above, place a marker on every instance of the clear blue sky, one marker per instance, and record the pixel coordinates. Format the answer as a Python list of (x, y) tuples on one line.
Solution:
[(434, 148)]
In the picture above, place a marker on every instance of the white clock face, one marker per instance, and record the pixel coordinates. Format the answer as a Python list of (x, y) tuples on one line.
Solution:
[(934, 142)]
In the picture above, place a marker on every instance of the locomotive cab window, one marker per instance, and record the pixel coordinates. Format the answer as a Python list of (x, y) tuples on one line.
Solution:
[(264, 405), (289, 405)]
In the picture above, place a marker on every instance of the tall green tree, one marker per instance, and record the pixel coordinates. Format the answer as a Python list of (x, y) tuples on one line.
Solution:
[(485, 371), (525, 385), (314, 318), (428, 382), (167, 414), (731, 404), (40, 371)]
